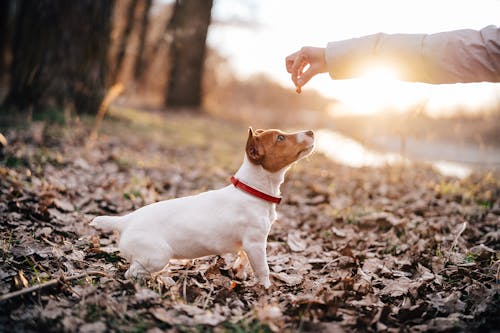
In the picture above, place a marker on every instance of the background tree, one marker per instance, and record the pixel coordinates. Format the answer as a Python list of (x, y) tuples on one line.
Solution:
[(143, 31), (188, 28), (59, 54), (124, 40), (5, 9)]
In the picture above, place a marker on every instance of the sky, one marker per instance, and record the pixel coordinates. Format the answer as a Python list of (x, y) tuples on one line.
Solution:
[(279, 27)]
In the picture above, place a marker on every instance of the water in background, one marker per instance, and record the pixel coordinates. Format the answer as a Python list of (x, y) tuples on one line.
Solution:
[(347, 151)]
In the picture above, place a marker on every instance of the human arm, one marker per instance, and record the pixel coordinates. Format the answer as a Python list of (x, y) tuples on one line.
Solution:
[(446, 57)]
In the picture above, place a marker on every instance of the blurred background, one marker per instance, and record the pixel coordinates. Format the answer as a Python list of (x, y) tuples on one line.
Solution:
[(226, 59)]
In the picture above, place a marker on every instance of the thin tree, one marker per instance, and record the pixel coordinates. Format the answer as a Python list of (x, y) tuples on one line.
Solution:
[(122, 47), (140, 56), (188, 27)]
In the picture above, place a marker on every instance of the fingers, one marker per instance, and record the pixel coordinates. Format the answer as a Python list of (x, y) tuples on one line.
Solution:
[(298, 65), (289, 61), (305, 64), (307, 75)]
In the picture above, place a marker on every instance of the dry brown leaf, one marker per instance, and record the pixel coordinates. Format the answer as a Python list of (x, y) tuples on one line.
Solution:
[(289, 279), (397, 287), (295, 242), (64, 205)]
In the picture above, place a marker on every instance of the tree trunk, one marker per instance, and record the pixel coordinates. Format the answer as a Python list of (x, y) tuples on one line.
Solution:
[(4, 36), (122, 48), (60, 54), (139, 59), (189, 26)]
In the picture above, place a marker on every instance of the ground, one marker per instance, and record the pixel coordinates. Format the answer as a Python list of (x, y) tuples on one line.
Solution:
[(375, 249)]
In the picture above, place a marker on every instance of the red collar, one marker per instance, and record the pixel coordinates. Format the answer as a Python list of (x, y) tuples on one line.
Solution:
[(256, 193)]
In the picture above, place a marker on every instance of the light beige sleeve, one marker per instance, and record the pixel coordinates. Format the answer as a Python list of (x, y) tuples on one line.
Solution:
[(446, 57)]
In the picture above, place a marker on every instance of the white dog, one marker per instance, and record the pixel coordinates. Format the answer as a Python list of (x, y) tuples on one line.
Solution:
[(234, 218)]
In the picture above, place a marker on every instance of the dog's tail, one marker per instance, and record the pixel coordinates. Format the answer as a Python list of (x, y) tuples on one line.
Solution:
[(109, 223)]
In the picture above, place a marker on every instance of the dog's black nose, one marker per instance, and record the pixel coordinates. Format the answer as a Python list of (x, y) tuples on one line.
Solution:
[(310, 133)]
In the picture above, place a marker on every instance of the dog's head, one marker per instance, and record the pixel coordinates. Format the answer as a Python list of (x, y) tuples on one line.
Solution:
[(275, 149)]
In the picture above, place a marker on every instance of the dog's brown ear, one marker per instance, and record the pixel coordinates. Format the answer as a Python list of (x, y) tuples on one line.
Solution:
[(254, 149)]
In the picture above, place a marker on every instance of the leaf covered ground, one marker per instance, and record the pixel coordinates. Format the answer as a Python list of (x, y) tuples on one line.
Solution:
[(368, 250)]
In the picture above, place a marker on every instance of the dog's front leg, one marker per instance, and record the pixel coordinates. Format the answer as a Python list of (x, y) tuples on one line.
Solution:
[(256, 252)]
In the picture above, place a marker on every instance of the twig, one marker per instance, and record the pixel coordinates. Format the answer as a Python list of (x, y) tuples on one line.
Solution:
[(497, 276), (207, 299), (184, 287), (47, 284), (329, 264), (112, 93), (462, 229)]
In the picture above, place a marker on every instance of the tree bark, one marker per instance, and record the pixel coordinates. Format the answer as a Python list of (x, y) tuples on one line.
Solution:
[(60, 54), (139, 59), (122, 48), (189, 26), (4, 36)]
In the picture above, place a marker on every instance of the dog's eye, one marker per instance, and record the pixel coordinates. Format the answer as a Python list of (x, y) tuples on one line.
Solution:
[(280, 138)]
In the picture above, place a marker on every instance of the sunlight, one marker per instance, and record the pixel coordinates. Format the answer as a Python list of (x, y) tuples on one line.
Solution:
[(377, 89), (380, 74), (449, 100)]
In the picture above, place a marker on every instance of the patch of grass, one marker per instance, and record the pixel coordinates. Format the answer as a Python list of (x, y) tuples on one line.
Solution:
[(327, 234), (6, 240), (485, 204), (131, 195), (36, 274), (354, 214), (13, 162), (222, 142), (93, 313), (470, 257), (400, 233), (50, 115), (439, 253), (392, 249)]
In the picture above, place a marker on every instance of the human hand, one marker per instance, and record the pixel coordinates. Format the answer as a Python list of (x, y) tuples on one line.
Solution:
[(305, 64)]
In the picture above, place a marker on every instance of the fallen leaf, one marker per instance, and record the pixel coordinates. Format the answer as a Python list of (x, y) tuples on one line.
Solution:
[(397, 287), (145, 294), (289, 279), (295, 243), (447, 304), (64, 205)]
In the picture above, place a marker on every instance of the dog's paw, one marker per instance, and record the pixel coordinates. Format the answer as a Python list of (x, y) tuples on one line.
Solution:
[(136, 271), (265, 282)]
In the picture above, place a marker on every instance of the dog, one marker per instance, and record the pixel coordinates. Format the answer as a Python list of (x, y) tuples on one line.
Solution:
[(236, 218)]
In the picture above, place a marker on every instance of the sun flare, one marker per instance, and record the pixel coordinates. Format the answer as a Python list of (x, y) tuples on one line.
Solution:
[(377, 88), (380, 74)]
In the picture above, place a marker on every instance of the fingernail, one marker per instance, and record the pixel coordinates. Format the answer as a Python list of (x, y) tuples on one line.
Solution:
[(299, 81)]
